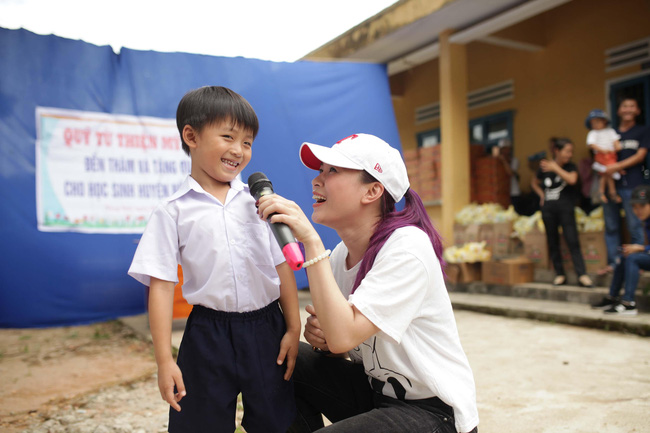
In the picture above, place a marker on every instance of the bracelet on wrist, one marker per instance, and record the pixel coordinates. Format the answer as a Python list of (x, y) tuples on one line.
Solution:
[(315, 260)]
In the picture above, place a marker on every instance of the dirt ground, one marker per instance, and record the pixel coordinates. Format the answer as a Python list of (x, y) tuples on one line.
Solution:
[(530, 376), (42, 368)]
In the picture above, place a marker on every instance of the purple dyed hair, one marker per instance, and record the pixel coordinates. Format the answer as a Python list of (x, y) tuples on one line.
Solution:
[(414, 214)]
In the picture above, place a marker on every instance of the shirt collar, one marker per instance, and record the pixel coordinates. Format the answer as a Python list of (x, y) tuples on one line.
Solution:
[(190, 184), (237, 183)]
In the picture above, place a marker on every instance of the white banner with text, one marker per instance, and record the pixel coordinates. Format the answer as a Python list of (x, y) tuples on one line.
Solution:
[(104, 173)]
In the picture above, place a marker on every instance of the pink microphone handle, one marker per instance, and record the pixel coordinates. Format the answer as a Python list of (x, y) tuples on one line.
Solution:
[(293, 255)]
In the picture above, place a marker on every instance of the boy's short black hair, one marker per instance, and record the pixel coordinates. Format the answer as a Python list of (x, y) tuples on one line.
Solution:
[(213, 104), (628, 98)]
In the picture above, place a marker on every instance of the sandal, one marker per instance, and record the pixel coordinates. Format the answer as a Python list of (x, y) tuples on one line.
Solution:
[(585, 281), (560, 280)]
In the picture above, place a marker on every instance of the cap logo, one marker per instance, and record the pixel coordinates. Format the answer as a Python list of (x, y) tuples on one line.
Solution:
[(378, 168), (351, 137)]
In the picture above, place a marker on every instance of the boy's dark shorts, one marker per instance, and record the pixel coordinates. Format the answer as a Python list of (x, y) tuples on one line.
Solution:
[(223, 354)]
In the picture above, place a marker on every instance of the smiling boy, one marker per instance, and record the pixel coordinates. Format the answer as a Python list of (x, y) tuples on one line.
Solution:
[(237, 339)]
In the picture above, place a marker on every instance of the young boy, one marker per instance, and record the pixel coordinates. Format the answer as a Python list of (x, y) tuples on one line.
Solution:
[(633, 258), (236, 338), (604, 141)]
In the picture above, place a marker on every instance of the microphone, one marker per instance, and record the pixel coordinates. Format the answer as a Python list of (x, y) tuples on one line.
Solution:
[(260, 186)]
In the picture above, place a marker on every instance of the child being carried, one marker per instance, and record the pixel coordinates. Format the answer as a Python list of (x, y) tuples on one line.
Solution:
[(604, 141)]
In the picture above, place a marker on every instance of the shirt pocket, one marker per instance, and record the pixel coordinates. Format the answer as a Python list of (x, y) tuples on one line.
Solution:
[(259, 246)]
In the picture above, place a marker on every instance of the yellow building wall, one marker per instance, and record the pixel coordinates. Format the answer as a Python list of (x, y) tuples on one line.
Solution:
[(554, 88)]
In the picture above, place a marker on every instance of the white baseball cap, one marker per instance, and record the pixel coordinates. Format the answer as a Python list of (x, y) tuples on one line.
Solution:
[(362, 152)]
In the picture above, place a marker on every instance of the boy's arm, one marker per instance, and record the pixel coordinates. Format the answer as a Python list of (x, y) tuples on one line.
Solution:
[(617, 145), (291, 311), (161, 303)]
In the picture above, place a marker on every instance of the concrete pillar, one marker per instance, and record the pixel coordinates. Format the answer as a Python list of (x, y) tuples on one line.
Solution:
[(454, 131)]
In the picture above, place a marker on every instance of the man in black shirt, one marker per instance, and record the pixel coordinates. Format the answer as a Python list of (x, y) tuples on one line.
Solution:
[(635, 142)]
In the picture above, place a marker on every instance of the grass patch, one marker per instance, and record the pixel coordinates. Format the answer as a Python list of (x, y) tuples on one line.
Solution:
[(101, 334)]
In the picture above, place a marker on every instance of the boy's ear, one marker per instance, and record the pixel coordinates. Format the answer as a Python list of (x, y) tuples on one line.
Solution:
[(190, 136), (374, 192)]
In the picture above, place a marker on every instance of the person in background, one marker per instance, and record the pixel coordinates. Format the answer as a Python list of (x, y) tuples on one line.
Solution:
[(380, 299), (635, 141), (603, 141), (632, 259), (503, 151), (242, 334), (529, 202), (589, 184), (555, 184)]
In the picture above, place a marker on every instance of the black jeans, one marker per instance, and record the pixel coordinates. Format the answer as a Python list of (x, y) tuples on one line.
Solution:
[(339, 389), (554, 217)]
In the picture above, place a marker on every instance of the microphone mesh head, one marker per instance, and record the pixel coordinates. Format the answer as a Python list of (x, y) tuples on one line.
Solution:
[(257, 182)]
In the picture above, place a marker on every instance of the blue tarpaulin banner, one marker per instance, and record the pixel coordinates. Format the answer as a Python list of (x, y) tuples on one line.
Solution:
[(53, 274)]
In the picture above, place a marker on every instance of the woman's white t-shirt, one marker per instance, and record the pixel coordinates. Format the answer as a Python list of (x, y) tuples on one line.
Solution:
[(417, 353)]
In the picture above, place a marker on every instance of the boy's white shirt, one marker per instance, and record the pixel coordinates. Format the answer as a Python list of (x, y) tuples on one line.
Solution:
[(227, 252), (418, 347), (603, 138)]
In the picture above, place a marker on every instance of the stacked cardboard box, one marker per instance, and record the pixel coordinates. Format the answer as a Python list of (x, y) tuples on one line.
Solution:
[(594, 251), (475, 152), (412, 161), (424, 172), (423, 169), (495, 235), (430, 176), (465, 233), (517, 270), (536, 248), (592, 246), (463, 272), (492, 182)]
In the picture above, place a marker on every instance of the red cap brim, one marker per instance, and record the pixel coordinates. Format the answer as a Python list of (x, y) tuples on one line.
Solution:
[(308, 158)]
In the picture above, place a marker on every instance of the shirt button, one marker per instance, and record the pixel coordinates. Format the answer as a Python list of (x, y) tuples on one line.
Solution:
[(232, 242)]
